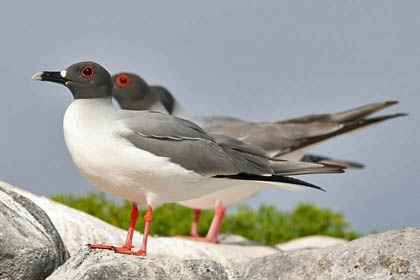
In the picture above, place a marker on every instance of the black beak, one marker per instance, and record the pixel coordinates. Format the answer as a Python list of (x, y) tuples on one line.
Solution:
[(55, 77)]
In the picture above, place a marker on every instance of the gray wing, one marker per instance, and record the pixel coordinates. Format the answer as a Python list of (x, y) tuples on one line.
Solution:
[(187, 144), (345, 116), (246, 155), (275, 138), (213, 120), (285, 137)]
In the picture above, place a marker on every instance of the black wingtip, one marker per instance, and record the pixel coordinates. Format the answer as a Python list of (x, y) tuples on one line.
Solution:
[(392, 102), (294, 181), (355, 165), (387, 117), (274, 178)]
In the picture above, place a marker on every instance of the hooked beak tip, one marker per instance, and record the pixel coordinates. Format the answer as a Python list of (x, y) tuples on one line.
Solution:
[(37, 76)]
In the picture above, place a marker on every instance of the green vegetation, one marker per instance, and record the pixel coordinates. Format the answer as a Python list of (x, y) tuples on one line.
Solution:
[(267, 225)]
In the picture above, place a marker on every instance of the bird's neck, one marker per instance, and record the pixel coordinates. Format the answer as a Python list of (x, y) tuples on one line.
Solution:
[(178, 111), (96, 102), (92, 107), (175, 109), (157, 106)]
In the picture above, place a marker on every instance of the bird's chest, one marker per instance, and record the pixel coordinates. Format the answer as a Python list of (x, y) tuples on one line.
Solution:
[(88, 143)]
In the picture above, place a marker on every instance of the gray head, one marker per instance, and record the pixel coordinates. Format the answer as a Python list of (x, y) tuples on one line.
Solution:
[(133, 93), (85, 80)]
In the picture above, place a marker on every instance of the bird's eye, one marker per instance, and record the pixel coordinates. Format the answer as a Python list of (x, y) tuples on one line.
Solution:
[(87, 72), (123, 80)]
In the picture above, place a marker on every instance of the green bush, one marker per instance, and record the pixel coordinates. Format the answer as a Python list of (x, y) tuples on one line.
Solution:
[(267, 225)]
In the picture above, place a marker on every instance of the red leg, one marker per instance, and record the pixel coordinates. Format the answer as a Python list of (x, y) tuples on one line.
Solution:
[(216, 223), (126, 249), (128, 241), (194, 226), (148, 220), (213, 233), (142, 252)]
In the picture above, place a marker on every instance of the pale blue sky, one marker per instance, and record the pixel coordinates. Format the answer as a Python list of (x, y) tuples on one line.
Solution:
[(251, 59)]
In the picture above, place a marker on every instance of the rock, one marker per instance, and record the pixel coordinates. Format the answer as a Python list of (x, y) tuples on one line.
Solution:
[(30, 246), (390, 255), (232, 239), (310, 242), (75, 227), (104, 264), (78, 229)]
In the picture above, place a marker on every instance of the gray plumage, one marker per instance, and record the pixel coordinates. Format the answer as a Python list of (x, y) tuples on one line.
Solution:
[(322, 159), (168, 101), (345, 116), (288, 168), (284, 137), (188, 145), (275, 138)]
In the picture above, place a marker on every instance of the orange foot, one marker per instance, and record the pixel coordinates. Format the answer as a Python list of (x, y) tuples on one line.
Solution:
[(124, 250), (100, 246), (199, 238), (118, 250)]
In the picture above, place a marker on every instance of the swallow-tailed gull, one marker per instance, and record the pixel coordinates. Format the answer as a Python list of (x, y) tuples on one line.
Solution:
[(289, 139), (153, 158)]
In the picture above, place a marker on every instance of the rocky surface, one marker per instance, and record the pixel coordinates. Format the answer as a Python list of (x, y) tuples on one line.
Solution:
[(104, 264), (78, 229), (390, 255), (31, 249), (30, 246), (310, 242), (75, 227)]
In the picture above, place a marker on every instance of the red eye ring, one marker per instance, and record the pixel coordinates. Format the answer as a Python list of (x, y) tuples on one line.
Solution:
[(123, 80), (88, 71)]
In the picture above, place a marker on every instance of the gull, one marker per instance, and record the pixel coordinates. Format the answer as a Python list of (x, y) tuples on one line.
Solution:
[(151, 158), (289, 139)]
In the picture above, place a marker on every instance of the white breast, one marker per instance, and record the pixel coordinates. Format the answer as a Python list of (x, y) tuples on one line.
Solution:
[(90, 143)]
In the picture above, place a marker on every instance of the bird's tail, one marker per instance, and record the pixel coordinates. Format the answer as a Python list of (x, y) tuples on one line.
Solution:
[(323, 159), (288, 168), (360, 112), (345, 116), (346, 128)]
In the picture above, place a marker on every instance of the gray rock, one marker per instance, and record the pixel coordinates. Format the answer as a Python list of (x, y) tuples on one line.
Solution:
[(390, 255), (233, 239), (30, 246), (78, 229), (104, 264), (310, 242)]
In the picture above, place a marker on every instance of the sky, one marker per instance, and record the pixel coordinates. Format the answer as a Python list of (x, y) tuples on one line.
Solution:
[(260, 61)]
